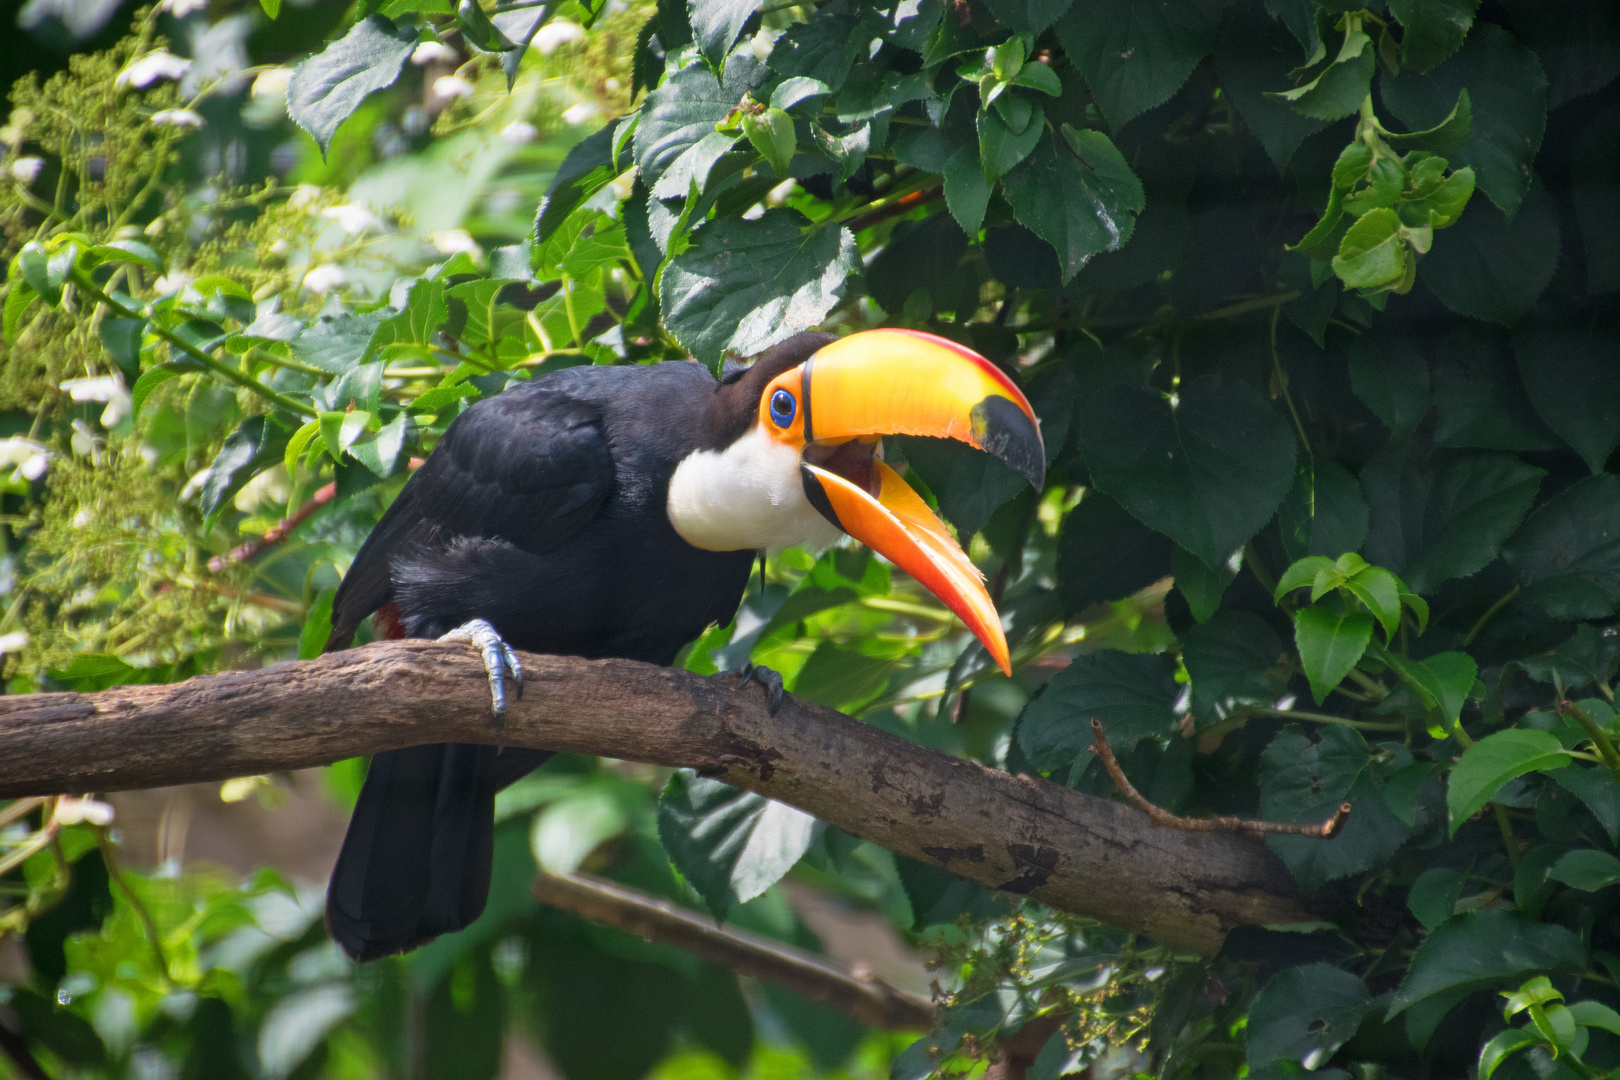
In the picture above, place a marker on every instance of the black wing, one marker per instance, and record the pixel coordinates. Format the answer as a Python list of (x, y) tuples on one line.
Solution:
[(530, 467)]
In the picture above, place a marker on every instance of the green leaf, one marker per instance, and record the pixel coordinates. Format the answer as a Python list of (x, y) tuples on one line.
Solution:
[(1491, 269), (317, 626), (1307, 571), (328, 87), (1443, 680), (1588, 656), (34, 262), (1028, 16), (603, 249), (842, 677), (771, 133), (1135, 53), (798, 89), (682, 112), (730, 845), (1445, 137), (1340, 87), (478, 30), (258, 442), (423, 312), (1133, 696), (336, 343), (1494, 760), (745, 285), (1587, 869), (1324, 513), (1078, 194), (272, 8), (1508, 92), (1567, 556), (1039, 76), (1249, 52), (1200, 584), (716, 24), (1302, 782), (122, 251), (1381, 592), (1208, 472), (566, 832), (1373, 255), (1503, 1045), (1596, 787), (969, 484), (1305, 1014), (1233, 660), (587, 169), (1574, 383), (1331, 641), (1434, 895), (1391, 378), (150, 380), (967, 193), (298, 444), (1481, 948), (1001, 147), (1106, 554), (1431, 30), (1595, 1014), (380, 452), (1434, 519), (19, 298)]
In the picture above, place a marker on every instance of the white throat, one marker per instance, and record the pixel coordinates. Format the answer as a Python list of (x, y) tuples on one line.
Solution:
[(746, 497)]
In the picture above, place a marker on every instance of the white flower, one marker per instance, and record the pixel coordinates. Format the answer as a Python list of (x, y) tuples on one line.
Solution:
[(430, 51), (178, 118), (583, 113), (181, 8), (611, 85), (324, 279), (352, 218), (303, 195), (516, 133), (272, 83), (446, 87), (108, 388), (14, 642), (555, 33), (452, 241), (85, 443), (280, 247), (71, 811), (26, 169), (25, 455), (172, 282), (152, 67)]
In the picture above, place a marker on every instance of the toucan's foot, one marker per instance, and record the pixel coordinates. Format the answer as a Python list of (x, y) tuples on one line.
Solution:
[(770, 680), (499, 660)]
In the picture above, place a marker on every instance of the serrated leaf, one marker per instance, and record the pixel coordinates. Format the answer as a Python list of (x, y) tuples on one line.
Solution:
[(716, 24), (771, 134), (1434, 519), (1444, 137), (1488, 268), (745, 285), (730, 845), (150, 380), (1372, 256), (1431, 30), (1494, 760), (1567, 556), (1249, 52), (1233, 660), (424, 311), (1587, 869), (326, 89), (1134, 54), (1570, 373), (1208, 472), (1442, 681), (1391, 377), (1324, 512), (967, 193), (1330, 641), (587, 168), (1200, 584), (258, 442), (1305, 1014), (477, 29), (1340, 87), (1508, 92), (1000, 147), (684, 111), (1078, 194), (1133, 696), (1106, 554)]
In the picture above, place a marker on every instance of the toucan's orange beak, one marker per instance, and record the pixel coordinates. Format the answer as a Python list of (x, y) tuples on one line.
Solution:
[(901, 382)]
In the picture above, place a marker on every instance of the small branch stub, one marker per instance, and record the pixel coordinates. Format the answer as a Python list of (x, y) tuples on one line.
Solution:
[(1166, 820)]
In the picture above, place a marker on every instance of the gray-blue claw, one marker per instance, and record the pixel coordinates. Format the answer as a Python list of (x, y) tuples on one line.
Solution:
[(770, 680), (500, 661)]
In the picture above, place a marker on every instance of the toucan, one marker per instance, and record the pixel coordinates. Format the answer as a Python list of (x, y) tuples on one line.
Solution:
[(616, 511)]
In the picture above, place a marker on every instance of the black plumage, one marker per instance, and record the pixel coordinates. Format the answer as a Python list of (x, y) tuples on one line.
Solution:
[(543, 511)]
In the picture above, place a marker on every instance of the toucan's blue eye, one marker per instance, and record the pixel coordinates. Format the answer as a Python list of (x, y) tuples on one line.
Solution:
[(782, 408)]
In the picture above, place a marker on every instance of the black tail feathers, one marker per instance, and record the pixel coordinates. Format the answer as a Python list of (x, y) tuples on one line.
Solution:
[(417, 858)]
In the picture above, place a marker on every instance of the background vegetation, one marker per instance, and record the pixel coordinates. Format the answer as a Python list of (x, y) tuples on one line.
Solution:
[(1316, 301)]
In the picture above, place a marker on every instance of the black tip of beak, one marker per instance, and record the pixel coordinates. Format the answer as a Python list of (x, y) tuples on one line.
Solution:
[(1004, 430)]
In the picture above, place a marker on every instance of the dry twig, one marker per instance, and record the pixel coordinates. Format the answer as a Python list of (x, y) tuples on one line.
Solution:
[(1166, 820)]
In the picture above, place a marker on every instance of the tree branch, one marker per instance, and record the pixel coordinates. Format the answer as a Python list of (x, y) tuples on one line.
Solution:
[(870, 1000), (1090, 856)]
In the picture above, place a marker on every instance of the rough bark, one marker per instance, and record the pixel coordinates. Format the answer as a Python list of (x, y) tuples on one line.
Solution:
[(1016, 833)]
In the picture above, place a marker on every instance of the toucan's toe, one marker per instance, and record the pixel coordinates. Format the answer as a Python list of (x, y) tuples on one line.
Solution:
[(500, 661), (769, 679)]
